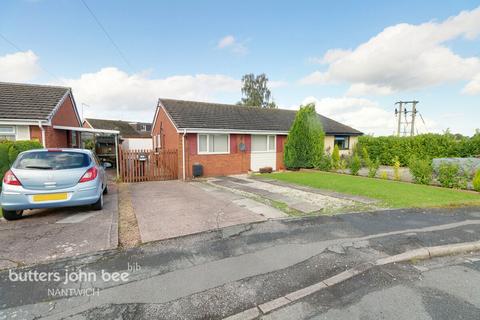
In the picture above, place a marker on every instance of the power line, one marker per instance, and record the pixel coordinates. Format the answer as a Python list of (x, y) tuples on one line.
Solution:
[(107, 34), (20, 49)]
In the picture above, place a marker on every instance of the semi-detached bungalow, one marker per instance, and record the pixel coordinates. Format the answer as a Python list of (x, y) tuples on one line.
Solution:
[(37, 112), (229, 139)]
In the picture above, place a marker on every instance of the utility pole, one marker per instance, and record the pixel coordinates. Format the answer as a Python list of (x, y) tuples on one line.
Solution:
[(403, 111), (400, 103), (414, 113)]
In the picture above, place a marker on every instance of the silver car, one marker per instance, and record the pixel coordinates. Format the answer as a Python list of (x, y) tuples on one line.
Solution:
[(51, 178)]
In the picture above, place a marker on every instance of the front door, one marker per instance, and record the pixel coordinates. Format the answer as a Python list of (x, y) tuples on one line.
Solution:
[(263, 152)]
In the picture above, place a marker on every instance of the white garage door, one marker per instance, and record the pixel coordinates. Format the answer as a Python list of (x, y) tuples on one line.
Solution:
[(263, 152)]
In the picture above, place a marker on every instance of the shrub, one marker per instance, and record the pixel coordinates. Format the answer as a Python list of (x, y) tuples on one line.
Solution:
[(325, 163), (421, 170), (476, 181), (373, 166), (449, 176), (383, 175), (424, 146), (355, 164), (343, 164), (365, 157), (9, 151), (396, 169), (304, 146), (336, 157), (20, 146)]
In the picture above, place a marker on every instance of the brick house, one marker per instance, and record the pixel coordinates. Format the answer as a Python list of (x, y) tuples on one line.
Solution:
[(230, 139), (39, 112)]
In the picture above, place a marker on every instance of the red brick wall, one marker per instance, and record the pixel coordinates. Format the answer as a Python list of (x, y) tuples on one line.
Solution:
[(169, 134), (66, 115), (219, 164), (54, 138)]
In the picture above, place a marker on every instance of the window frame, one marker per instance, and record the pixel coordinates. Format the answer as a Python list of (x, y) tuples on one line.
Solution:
[(346, 139), (208, 143), (268, 143), (12, 134)]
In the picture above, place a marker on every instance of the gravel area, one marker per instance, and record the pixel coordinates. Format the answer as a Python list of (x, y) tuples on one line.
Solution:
[(319, 200)]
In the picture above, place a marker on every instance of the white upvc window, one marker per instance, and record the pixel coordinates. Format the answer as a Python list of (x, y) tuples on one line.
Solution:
[(213, 143), (7, 133), (263, 143)]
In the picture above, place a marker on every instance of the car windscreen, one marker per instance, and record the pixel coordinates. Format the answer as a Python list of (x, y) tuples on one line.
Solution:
[(52, 160)]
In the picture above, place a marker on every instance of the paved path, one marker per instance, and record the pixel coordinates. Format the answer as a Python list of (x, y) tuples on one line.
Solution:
[(167, 209), (47, 234), (217, 274), (301, 200)]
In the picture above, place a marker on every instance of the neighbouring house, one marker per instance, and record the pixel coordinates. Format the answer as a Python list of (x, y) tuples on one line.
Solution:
[(133, 135), (44, 113), (230, 139)]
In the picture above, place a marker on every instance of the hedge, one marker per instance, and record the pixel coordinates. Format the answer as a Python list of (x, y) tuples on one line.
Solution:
[(424, 146), (9, 151)]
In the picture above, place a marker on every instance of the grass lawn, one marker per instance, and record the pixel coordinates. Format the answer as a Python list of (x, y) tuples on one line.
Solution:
[(391, 193)]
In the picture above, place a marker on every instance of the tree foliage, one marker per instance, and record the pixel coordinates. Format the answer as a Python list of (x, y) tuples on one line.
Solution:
[(9, 151), (255, 91), (305, 141), (424, 146)]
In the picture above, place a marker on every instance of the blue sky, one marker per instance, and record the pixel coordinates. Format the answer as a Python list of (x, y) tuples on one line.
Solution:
[(199, 50)]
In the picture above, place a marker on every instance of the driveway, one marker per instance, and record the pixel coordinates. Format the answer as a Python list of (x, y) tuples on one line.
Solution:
[(48, 234), (168, 209)]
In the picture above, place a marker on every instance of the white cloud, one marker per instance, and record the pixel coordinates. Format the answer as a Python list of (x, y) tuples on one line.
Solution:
[(19, 67), (404, 57), (231, 43), (362, 114), (226, 42), (473, 87), (114, 94)]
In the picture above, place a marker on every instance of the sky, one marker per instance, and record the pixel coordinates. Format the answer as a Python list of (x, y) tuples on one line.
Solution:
[(353, 59)]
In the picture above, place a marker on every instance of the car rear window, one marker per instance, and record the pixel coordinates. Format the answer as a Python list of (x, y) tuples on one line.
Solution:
[(52, 160)]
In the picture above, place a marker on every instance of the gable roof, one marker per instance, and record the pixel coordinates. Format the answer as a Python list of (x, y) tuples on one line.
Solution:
[(125, 128), (203, 115), (30, 102)]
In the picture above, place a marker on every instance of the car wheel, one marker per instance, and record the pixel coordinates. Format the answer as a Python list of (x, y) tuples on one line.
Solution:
[(99, 204), (105, 191), (12, 214)]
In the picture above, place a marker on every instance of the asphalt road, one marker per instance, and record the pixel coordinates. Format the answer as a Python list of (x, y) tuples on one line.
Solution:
[(220, 273)]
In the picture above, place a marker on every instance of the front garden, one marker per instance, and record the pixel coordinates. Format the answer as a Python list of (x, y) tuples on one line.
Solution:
[(421, 171), (393, 194)]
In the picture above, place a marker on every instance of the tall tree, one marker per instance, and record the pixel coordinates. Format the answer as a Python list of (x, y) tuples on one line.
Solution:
[(305, 141), (255, 91)]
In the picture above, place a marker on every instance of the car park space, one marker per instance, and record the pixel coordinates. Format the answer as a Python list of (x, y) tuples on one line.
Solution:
[(47, 234), (168, 209)]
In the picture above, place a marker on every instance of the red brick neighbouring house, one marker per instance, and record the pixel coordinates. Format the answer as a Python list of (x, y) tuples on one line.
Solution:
[(230, 139), (38, 112)]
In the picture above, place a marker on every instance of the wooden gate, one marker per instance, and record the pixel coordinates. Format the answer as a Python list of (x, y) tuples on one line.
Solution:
[(147, 165)]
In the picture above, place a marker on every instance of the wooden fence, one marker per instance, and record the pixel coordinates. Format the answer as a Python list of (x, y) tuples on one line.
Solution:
[(147, 165)]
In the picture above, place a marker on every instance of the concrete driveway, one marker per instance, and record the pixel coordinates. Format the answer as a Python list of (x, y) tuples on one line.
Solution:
[(168, 209), (48, 234)]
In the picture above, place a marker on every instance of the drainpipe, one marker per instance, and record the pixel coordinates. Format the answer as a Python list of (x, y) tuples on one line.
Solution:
[(43, 133), (183, 152)]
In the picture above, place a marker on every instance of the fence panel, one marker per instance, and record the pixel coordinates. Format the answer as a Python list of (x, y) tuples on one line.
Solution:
[(148, 165)]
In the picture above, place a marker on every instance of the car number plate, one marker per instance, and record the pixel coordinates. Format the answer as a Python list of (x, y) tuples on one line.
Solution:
[(49, 197)]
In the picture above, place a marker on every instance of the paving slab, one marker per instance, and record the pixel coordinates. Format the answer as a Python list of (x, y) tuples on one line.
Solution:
[(168, 209), (260, 208)]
